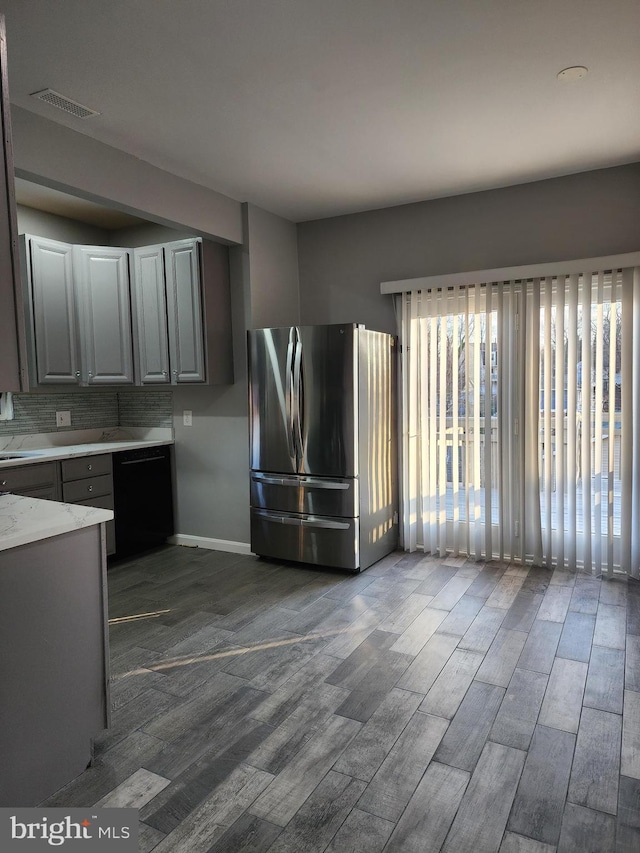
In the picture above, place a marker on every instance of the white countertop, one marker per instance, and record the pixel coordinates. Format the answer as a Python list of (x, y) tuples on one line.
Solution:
[(24, 520), (49, 447)]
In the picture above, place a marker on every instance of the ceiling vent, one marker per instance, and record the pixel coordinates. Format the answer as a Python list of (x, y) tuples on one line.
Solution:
[(64, 103)]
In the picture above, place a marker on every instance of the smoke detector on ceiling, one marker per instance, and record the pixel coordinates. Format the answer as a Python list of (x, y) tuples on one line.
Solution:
[(572, 74), (55, 99)]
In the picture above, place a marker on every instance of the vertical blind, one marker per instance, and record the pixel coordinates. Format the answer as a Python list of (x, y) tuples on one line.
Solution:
[(521, 420)]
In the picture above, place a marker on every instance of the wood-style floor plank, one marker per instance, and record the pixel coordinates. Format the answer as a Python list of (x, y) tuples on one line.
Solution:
[(632, 663), (610, 626), (449, 688), (465, 738), (516, 720), (284, 796), (393, 785), (366, 752), (501, 659), (576, 637), (322, 814), (563, 700), (461, 616), (605, 680), (426, 820), (596, 763), (483, 630), (539, 651), (539, 804), (513, 843), (361, 833), (490, 793), (630, 765), (628, 819), (428, 663), (585, 829), (555, 604)]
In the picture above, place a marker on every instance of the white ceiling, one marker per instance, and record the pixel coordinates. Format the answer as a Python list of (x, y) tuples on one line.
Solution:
[(312, 108)]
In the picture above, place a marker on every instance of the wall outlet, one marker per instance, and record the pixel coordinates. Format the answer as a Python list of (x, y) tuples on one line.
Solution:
[(63, 419), (187, 417)]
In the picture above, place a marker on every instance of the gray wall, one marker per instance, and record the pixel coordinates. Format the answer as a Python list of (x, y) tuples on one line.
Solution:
[(273, 267), (344, 259), (54, 227), (212, 483), (145, 235), (56, 156)]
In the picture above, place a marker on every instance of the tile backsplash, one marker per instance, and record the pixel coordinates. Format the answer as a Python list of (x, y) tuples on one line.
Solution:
[(90, 409), (145, 408)]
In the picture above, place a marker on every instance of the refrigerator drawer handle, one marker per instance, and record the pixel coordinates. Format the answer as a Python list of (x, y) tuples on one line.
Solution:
[(327, 524), (308, 484), (280, 519), (318, 522)]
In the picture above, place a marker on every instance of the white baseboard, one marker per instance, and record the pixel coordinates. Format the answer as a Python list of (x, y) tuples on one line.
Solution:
[(211, 544)]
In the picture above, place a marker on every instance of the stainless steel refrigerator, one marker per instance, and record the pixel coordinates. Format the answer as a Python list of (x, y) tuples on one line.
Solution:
[(322, 445)]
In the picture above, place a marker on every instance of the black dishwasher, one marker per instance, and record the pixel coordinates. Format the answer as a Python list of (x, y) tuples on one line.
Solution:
[(143, 498)]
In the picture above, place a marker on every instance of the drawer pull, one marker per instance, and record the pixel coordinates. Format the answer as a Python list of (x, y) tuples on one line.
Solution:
[(4, 482), (89, 467), (89, 488)]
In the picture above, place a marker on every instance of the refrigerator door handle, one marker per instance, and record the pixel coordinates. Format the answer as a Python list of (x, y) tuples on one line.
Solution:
[(299, 397), (325, 523), (300, 482), (290, 392)]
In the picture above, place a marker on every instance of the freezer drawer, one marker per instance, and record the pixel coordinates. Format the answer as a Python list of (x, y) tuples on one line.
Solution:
[(304, 495), (320, 540)]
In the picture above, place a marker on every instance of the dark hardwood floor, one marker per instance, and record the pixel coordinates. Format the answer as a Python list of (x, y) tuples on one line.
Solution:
[(425, 705)]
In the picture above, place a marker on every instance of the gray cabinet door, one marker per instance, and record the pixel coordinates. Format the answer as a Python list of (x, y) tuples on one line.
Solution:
[(102, 286), (149, 304), (184, 308), (55, 324), (12, 347)]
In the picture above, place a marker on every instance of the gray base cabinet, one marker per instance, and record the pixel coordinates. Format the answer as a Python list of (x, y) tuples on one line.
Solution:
[(53, 619), (88, 481), (41, 480)]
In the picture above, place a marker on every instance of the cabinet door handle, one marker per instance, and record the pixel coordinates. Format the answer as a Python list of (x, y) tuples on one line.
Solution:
[(78, 374)]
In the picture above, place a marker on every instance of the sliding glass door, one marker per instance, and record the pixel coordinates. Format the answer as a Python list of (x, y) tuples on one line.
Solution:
[(520, 420)]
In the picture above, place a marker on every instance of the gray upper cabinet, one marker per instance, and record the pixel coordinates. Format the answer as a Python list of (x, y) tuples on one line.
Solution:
[(102, 284), (149, 302), (50, 299), (182, 313), (184, 301), (90, 307), (13, 353)]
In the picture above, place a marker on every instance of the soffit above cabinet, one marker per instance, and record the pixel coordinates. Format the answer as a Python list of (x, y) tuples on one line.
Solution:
[(71, 207)]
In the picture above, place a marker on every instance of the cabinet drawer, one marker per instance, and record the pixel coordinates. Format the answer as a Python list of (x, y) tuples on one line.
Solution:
[(86, 466), (81, 490), (45, 493), (28, 476)]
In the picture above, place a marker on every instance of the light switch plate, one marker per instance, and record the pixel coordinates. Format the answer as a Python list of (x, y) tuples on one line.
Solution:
[(187, 417), (63, 419)]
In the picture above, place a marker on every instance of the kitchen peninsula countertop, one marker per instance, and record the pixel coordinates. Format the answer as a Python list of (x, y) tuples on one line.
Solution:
[(24, 520)]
